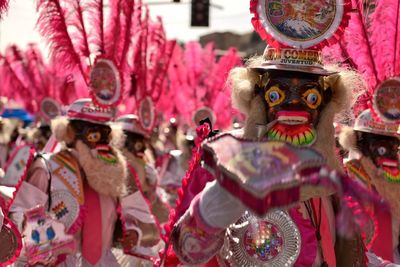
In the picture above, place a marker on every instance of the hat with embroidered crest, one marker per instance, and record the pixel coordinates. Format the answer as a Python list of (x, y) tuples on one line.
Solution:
[(131, 123), (85, 110), (296, 31)]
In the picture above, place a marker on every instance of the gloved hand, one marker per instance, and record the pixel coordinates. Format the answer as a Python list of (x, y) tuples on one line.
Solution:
[(375, 261), (218, 208), (151, 174)]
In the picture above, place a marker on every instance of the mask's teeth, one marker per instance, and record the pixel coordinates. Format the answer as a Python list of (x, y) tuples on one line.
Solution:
[(302, 138), (296, 140)]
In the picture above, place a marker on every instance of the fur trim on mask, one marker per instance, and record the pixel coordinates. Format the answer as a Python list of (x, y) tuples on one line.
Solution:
[(117, 137), (242, 81), (104, 178), (389, 191), (348, 139), (8, 128), (62, 131)]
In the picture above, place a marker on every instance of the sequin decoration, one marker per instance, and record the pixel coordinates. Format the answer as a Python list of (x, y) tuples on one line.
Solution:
[(10, 243), (263, 241), (273, 240), (64, 207)]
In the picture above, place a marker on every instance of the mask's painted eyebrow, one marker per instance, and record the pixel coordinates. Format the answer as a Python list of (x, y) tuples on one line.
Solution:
[(311, 84), (274, 82)]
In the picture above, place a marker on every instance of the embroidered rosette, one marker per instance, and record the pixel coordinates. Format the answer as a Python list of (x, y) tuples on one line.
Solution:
[(273, 240), (105, 84), (50, 108), (301, 23), (203, 113), (10, 243), (64, 207), (147, 116), (386, 101)]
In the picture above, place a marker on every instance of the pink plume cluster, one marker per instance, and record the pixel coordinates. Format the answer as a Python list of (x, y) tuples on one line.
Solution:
[(371, 43), (79, 31), (3, 6), (28, 79), (149, 60), (197, 78)]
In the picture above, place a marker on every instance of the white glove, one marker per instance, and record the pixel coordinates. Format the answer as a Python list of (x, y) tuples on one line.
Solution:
[(375, 261), (218, 208), (151, 174)]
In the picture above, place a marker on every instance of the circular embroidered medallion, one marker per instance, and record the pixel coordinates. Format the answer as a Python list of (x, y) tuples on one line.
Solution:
[(50, 108), (299, 24), (10, 243), (105, 83), (147, 115), (64, 207), (273, 240), (386, 100)]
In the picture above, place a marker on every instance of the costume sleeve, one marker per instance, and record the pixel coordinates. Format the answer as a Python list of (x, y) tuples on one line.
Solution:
[(136, 215), (194, 241)]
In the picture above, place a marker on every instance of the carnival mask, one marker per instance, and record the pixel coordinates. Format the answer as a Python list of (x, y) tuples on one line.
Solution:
[(135, 143), (383, 151), (293, 102), (91, 134)]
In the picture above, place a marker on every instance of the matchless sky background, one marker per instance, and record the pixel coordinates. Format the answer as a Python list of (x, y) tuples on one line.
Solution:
[(18, 26)]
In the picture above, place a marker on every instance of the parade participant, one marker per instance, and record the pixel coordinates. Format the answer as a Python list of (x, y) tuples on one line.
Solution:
[(143, 184), (370, 45), (6, 129), (40, 135), (175, 165), (287, 95), (95, 61), (83, 185), (373, 161), (39, 88), (135, 151)]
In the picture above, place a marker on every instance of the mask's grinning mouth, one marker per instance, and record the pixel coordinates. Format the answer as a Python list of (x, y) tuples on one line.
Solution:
[(293, 127), (391, 170)]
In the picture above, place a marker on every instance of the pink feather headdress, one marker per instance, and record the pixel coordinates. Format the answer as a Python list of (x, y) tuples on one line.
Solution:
[(148, 62), (80, 33), (27, 79), (3, 6), (371, 44), (196, 79)]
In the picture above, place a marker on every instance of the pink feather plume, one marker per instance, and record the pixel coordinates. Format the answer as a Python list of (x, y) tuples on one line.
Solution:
[(3, 6), (27, 79), (384, 31), (53, 27), (199, 80)]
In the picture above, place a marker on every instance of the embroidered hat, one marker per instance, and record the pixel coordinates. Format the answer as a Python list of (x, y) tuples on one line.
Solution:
[(290, 59), (366, 123), (84, 110), (131, 123)]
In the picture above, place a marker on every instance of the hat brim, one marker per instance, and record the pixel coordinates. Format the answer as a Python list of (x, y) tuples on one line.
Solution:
[(303, 69), (373, 131), (146, 135)]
